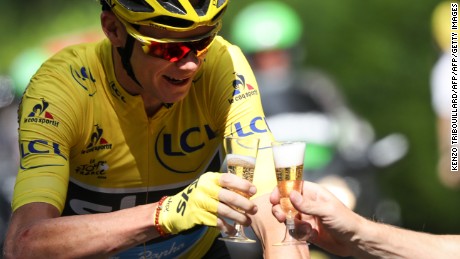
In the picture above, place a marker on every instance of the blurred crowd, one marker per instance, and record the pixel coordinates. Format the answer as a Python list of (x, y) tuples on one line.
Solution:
[(9, 152)]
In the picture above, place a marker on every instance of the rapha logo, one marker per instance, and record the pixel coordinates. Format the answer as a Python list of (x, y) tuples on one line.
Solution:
[(97, 142), (39, 114)]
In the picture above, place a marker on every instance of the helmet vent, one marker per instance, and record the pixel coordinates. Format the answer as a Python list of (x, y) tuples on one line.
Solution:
[(172, 6), (220, 3), (200, 6), (172, 21), (137, 6)]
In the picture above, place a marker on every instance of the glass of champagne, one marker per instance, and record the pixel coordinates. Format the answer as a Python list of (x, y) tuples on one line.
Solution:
[(289, 157), (241, 161)]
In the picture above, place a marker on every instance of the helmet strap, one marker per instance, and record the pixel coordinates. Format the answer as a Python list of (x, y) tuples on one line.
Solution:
[(125, 54)]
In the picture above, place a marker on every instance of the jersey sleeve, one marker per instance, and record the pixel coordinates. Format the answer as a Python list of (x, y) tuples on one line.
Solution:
[(48, 116), (237, 108)]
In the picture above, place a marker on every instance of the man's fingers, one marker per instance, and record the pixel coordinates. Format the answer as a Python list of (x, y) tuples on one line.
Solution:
[(298, 201), (233, 182), (275, 196), (278, 213), (234, 196), (235, 200), (225, 211)]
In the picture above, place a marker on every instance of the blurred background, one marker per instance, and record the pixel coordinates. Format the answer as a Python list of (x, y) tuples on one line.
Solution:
[(378, 54)]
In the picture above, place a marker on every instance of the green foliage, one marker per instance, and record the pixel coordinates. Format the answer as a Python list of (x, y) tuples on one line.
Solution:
[(28, 25)]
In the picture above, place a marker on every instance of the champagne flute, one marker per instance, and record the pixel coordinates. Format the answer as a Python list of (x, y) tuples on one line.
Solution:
[(241, 161), (289, 157)]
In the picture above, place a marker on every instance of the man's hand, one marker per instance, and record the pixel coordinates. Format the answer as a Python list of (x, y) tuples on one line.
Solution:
[(207, 201), (332, 224)]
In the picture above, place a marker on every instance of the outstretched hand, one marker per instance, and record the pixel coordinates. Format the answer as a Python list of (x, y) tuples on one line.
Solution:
[(333, 225)]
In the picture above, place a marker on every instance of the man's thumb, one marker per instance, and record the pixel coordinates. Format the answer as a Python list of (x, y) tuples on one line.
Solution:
[(296, 198)]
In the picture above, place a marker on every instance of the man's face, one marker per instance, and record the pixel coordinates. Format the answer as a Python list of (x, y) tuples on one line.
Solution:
[(164, 81)]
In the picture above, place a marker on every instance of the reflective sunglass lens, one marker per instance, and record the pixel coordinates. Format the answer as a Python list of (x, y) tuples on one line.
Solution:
[(202, 44), (175, 51)]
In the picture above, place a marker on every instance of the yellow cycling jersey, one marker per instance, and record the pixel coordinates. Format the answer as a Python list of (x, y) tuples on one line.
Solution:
[(87, 146)]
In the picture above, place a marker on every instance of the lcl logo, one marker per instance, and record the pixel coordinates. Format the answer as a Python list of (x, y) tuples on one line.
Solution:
[(257, 125)]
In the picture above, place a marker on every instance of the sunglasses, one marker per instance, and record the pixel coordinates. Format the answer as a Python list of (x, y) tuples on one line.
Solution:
[(173, 50)]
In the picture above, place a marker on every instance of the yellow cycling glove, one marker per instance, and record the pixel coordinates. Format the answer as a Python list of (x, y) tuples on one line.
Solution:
[(195, 205)]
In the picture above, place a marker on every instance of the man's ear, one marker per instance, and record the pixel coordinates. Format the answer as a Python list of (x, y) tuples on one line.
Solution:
[(113, 29)]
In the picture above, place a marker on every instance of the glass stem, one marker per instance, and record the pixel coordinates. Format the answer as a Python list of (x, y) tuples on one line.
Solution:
[(290, 228), (239, 231)]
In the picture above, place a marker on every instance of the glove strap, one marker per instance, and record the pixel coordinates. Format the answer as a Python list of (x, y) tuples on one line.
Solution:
[(157, 217)]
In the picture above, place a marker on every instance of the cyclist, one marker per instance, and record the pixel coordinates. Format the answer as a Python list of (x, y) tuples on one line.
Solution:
[(120, 141)]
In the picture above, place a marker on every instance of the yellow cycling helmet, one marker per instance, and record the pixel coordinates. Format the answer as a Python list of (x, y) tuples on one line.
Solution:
[(172, 15)]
